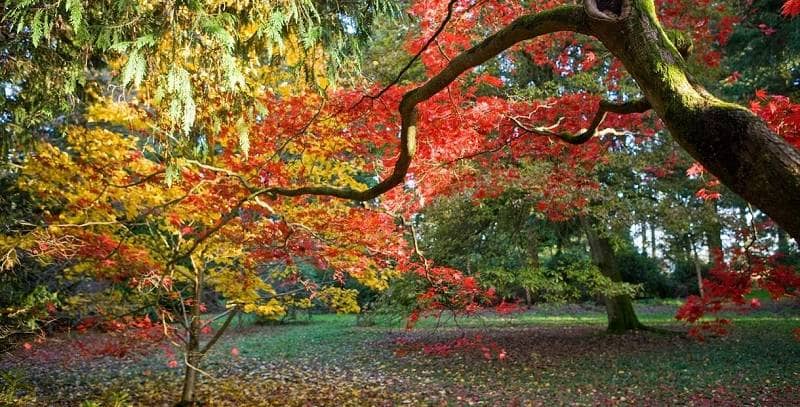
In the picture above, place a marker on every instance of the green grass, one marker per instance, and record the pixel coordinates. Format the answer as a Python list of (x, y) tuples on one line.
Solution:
[(555, 355), (759, 356)]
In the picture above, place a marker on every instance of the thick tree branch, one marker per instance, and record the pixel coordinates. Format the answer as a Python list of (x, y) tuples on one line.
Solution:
[(727, 139), (565, 18)]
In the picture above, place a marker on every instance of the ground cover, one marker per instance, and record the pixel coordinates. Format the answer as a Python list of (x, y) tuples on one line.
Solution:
[(555, 355)]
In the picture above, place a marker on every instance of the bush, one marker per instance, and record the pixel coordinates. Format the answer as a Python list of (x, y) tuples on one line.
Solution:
[(637, 268), (684, 276)]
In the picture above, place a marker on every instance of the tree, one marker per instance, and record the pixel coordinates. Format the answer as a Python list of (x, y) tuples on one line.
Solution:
[(109, 214), (621, 316), (729, 140), (708, 128), (191, 62)]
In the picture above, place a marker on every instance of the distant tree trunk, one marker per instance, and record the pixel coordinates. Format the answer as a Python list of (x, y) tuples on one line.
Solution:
[(644, 238), (621, 315), (714, 234), (653, 240), (714, 239), (533, 261), (697, 269)]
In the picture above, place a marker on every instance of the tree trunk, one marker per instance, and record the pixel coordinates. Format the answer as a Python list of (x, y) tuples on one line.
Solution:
[(621, 315), (727, 139), (697, 269), (190, 376), (644, 238), (714, 234), (714, 239), (193, 354), (653, 240), (533, 260)]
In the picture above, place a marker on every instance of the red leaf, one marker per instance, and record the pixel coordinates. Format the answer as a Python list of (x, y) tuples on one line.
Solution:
[(695, 170), (791, 8)]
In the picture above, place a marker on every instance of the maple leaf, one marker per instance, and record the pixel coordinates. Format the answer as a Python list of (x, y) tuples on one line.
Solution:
[(791, 8), (695, 170)]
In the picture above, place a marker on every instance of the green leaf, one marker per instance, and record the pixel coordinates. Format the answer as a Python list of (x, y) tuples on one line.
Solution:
[(75, 10), (310, 37), (121, 46), (182, 109), (219, 34), (189, 115), (171, 174), (134, 70), (47, 25), (103, 40), (145, 41), (275, 28), (232, 73), (37, 29)]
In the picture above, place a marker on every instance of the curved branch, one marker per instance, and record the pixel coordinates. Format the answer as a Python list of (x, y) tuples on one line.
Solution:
[(565, 18), (636, 106)]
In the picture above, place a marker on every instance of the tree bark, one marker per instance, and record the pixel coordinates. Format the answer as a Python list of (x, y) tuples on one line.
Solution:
[(621, 315), (714, 238), (644, 238), (193, 354), (653, 240), (190, 376), (727, 139), (697, 269)]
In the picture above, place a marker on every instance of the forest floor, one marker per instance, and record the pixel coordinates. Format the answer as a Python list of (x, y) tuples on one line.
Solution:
[(556, 355)]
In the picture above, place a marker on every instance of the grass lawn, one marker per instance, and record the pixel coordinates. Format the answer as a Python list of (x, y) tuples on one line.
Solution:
[(552, 356)]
